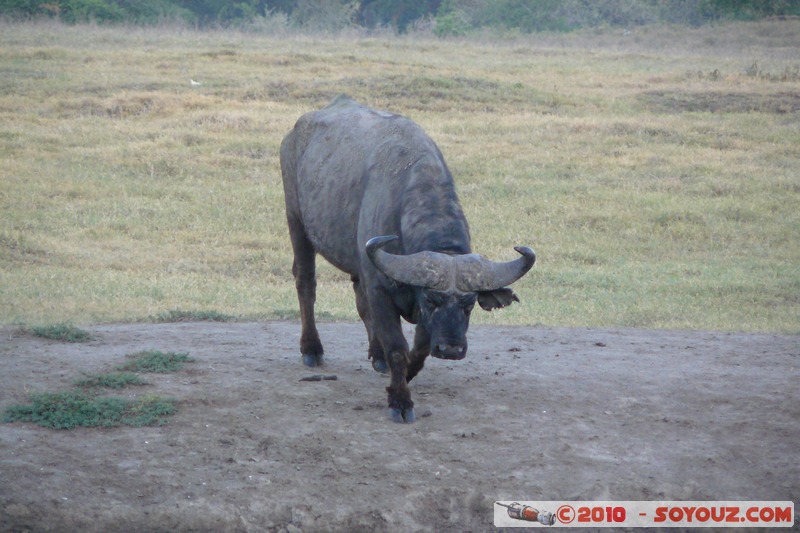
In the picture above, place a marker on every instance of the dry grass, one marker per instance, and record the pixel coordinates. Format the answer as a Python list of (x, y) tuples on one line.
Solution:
[(655, 173)]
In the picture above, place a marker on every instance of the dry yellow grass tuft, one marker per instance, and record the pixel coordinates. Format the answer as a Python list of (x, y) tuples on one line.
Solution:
[(656, 173)]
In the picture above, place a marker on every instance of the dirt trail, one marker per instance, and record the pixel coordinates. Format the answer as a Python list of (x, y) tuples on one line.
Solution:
[(531, 414)]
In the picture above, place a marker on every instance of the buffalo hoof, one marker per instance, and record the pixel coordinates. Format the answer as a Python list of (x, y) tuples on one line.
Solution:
[(311, 360), (402, 416), (380, 366)]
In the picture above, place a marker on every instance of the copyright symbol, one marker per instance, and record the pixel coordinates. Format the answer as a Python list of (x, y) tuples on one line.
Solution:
[(565, 514)]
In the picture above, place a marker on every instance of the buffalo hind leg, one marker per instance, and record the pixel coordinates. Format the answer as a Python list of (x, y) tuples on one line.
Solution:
[(305, 279), (375, 351)]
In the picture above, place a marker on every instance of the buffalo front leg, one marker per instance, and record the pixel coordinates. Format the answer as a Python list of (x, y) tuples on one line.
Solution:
[(420, 351), (389, 333), (305, 279), (375, 351), (401, 407)]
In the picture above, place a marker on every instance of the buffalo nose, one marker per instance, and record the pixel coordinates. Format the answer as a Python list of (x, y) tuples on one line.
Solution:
[(448, 351)]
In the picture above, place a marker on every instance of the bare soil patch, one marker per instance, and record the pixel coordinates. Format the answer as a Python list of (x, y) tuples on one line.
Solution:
[(532, 413)]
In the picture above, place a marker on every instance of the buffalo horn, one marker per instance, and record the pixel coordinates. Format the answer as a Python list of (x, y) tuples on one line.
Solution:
[(476, 273), (438, 271), (423, 269)]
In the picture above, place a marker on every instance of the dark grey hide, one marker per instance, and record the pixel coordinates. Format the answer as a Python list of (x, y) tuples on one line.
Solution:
[(352, 175)]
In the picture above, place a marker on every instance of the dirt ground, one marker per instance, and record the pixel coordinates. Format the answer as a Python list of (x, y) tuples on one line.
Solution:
[(533, 413)]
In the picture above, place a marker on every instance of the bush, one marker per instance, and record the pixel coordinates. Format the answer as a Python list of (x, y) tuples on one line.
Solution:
[(178, 315), (112, 380), (62, 332), (451, 24), (324, 15), (156, 361), (68, 410), (85, 408), (104, 11)]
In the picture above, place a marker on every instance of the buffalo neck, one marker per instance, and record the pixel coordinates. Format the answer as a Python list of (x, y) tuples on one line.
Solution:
[(431, 217)]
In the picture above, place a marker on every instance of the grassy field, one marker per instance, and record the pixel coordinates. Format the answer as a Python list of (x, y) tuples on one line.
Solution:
[(655, 172)]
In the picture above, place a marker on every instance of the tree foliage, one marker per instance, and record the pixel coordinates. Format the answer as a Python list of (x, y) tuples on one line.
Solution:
[(460, 16), (452, 17)]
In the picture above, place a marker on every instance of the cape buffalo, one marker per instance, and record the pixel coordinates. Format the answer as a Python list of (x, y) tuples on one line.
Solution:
[(370, 192)]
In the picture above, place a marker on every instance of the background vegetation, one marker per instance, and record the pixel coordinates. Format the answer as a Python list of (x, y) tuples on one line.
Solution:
[(655, 170), (447, 17)]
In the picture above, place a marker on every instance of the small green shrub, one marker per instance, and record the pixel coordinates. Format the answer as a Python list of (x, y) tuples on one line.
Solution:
[(71, 409), (156, 361), (85, 408), (177, 315), (111, 380), (149, 410), (62, 332)]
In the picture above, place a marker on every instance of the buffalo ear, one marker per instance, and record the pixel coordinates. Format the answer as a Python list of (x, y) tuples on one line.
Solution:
[(496, 299)]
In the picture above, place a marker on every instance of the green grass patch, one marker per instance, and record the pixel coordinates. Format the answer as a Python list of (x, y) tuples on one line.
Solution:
[(86, 407), (156, 361), (72, 409), (177, 315), (111, 380), (61, 332)]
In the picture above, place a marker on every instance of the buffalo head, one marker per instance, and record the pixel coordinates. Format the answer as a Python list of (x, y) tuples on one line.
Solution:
[(447, 287)]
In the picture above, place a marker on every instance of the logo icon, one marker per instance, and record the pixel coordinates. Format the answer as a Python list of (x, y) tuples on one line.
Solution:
[(527, 513)]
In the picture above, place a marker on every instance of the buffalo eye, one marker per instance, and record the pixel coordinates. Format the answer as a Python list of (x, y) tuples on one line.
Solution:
[(434, 299), (467, 302)]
